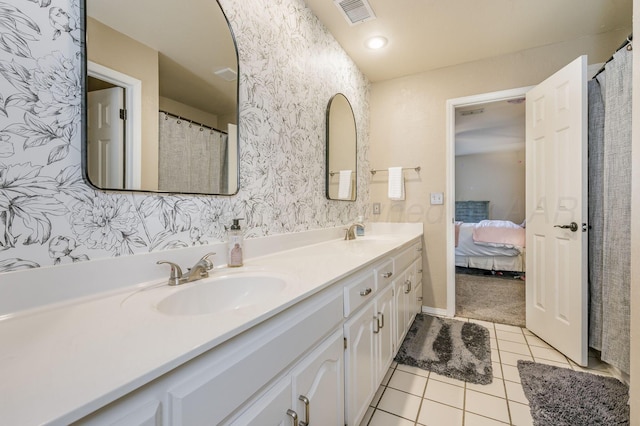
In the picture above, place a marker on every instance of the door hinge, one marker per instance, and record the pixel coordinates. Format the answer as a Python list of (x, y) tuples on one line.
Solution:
[(123, 114), (345, 343)]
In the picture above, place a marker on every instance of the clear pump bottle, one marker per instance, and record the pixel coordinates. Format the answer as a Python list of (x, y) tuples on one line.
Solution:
[(235, 244)]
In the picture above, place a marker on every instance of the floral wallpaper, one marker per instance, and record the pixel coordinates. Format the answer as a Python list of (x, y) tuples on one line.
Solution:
[(290, 66)]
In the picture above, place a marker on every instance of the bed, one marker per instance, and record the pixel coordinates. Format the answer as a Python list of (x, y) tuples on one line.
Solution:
[(494, 245)]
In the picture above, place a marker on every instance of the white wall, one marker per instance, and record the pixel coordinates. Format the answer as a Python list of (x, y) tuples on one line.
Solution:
[(497, 177)]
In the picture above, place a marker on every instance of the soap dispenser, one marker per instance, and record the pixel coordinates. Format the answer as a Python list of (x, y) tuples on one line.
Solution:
[(235, 245)]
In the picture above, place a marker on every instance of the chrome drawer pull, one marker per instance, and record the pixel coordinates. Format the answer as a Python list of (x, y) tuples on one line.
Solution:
[(419, 248), (419, 271), (365, 292), (408, 289), (305, 401), (376, 324), (294, 416), (387, 274)]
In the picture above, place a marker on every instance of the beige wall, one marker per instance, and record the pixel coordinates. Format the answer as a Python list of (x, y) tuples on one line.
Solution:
[(116, 51), (497, 177), (408, 123), (635, 232)]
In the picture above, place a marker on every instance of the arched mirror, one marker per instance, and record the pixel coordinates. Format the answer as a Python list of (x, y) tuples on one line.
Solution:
[(161, 97), (341, 150)]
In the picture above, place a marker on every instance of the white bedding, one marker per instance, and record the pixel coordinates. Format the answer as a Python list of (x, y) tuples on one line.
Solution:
[(467, 247)]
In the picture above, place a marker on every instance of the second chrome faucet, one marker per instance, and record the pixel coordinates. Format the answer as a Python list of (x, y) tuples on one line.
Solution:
[(198, 271)]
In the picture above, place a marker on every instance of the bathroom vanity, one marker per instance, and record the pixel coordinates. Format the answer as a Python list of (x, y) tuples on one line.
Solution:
[(302, 334)]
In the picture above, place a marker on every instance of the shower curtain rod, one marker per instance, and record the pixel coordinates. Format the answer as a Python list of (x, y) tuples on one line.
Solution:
[(627, 42), (195, 123)]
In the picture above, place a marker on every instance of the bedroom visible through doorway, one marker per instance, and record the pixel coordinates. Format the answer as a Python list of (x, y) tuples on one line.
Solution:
[(489, 210)]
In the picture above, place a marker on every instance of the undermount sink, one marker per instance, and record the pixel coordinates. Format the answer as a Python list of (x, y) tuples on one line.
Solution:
[(223, 294)]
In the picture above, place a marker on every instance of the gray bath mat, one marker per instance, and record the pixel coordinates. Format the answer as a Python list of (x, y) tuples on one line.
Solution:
[(563, 397), (456, 349)]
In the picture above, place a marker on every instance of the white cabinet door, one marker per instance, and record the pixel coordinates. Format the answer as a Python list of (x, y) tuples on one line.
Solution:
[(360, 377), (318, 384), (400, 308), (272, 409), (385, 343)]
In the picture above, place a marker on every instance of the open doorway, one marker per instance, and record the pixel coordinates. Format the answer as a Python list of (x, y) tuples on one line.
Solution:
[(489, 206), (486, 182)]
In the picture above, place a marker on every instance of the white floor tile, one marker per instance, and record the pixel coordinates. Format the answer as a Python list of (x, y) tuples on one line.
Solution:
[(520, 414), (407, 382), (534, 340), (527, 332), (509, 358), (400, 403), (436, 414), (562, 364), (495, 388), (413, 370), (510, 373), (497, 369), (516, 348), (380, 418), (516, 393), (546, 353), (471, 419), (486, 405), (506, 327), (493, 344), (445, 393), (511, 337), (445, 379)]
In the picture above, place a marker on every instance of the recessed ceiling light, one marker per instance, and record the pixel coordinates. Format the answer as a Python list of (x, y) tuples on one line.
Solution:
[(376, 42)]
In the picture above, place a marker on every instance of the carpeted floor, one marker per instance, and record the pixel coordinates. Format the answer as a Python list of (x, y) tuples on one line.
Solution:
[(452, 348), (490, 298), (564, 397)]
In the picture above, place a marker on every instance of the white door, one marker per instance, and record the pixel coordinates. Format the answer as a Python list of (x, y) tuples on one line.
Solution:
[(556, 186), (105, 138), (318, 384)]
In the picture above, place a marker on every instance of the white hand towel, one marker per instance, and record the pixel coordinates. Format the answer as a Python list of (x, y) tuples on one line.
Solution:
[(344, 185), (396, 183)]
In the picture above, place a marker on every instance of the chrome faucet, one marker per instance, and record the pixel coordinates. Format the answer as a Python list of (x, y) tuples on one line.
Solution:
[(350, 234), (198, 271)]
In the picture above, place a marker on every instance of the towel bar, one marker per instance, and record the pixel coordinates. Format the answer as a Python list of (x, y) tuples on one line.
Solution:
[(374, 171)]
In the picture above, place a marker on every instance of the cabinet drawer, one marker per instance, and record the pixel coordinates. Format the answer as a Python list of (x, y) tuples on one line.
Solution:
[(215, 392), (405, 258), (358, 291), (384, 274)]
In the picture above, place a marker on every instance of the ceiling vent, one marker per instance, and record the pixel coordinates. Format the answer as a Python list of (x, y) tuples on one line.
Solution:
[(355, 11)]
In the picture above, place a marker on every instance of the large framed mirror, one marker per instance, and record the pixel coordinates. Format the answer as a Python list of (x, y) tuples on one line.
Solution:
[(341, 179), (161, 98)]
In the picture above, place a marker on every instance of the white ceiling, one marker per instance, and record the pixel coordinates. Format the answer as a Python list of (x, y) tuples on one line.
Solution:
[(430, 34)]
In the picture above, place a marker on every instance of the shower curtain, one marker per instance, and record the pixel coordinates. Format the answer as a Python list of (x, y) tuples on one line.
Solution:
[(610, 210), (192, 158)]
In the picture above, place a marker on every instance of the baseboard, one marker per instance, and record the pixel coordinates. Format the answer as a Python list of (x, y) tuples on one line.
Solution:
[(434, 311)]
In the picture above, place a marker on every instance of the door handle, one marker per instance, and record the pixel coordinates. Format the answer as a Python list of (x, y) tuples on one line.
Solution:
[(305, 401), (572, 226)]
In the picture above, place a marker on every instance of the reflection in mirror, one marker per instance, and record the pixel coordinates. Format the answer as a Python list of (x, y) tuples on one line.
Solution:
[(341, 150), (161, 105)]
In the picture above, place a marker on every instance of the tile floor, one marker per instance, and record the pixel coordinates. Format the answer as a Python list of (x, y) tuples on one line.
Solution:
[(410, 396)]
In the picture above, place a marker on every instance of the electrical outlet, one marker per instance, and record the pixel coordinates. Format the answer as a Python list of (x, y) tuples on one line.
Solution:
[(376, 208), (437, 198)]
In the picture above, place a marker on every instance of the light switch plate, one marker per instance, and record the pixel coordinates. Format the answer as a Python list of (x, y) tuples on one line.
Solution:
[(437, 198), (376, 208)]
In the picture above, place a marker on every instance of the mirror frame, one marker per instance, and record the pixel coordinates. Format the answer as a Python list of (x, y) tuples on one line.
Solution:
[(84, 105), (328, 149)]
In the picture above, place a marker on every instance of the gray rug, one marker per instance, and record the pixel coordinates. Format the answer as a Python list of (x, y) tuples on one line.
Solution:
[(456, 349), (491, 299), (563, 397)]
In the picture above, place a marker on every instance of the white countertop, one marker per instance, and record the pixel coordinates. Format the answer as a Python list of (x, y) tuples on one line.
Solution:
[(59, 363)]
